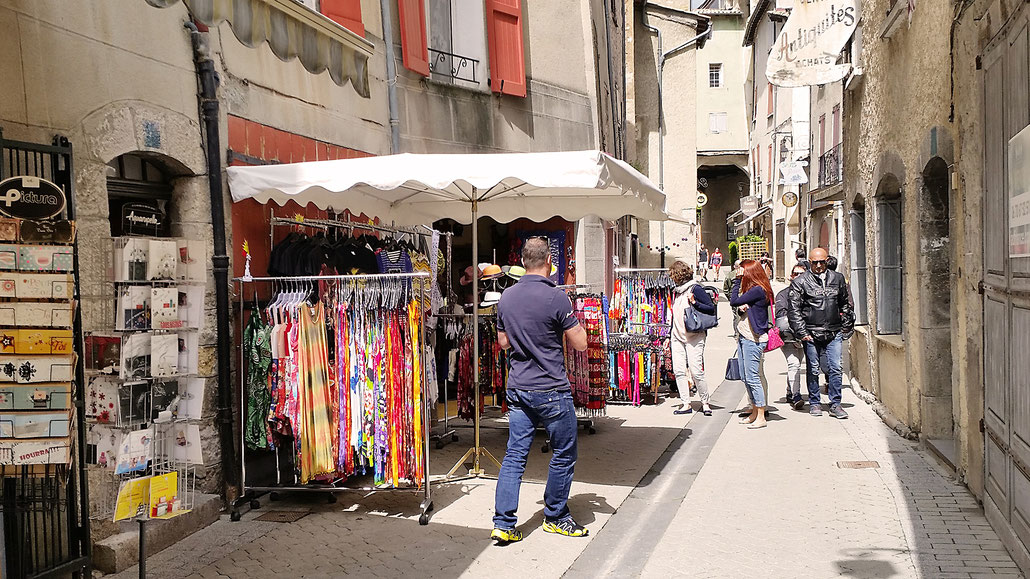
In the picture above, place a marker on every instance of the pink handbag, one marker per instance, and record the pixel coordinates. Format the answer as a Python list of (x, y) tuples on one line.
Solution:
[(775, 341)]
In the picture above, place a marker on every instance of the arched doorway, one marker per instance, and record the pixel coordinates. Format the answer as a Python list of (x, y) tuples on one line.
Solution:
[(139, 182), (934, 280)]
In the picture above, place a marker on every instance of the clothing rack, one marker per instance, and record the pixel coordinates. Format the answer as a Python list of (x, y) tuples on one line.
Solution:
[(251, 493)]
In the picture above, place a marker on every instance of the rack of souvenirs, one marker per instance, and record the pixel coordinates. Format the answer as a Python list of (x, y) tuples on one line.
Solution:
[(143, 395), (38, 353), (641, 305), (589, 371), (334, 379)]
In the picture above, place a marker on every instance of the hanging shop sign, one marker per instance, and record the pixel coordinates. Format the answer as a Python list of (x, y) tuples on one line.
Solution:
[(790, 199), (806, 51), (1019, 194), (702, 199), (749, 205), (28, 197), (793, 173), (142, 219)]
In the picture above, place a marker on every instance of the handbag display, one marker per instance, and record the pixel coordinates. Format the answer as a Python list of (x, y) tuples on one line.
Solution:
[(733, 369)]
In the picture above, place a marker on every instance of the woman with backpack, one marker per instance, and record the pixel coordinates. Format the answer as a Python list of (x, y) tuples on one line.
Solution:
[(792, 349), (688, 345), (752, 295)]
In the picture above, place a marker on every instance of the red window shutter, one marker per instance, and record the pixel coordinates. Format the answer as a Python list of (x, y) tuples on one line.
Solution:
[(346, 13), (413, 35), (507, 58)]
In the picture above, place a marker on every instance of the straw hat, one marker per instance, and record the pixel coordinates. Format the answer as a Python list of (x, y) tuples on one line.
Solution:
[(491, 271), (514, 271), (490, 298)]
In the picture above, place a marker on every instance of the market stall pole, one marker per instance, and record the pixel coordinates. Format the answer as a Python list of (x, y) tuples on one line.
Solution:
[(412, 189), (247, 492)]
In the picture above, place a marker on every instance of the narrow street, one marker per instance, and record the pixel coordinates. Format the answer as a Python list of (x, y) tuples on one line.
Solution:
[(662, 495)]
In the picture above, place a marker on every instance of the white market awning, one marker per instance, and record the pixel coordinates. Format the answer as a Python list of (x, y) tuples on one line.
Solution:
[(292, 31), (412, 189)]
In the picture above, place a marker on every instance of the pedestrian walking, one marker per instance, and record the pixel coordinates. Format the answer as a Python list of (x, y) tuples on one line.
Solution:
[(532, 318), (767, 264), (728, 284), (715, 263), (792, 349), (688, 348), (702, 262), (752, 296), (822, 317)]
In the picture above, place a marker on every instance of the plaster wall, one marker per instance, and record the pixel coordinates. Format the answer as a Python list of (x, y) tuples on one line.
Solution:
[(723, 47)]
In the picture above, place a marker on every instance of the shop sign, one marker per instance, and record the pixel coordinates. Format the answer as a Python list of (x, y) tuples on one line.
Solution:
[(749, 205), (141, 219), (790, 199), (1019, 194), (702, 199), (793, 173), (806, 51), (28, 197)]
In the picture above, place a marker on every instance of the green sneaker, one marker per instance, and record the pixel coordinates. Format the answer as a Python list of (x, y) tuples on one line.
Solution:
[(567, 527), (505, 536)]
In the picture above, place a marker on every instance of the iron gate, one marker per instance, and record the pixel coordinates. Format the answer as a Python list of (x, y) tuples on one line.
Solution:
[(45, 513), (1006, 290)]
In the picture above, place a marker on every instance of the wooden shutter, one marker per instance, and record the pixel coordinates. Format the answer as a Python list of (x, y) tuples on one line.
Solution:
[(413, 35), (507, 58), (346, 13)]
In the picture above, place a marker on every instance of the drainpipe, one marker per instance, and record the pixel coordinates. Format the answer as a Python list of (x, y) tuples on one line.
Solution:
[(391, 77), (661, 111), (220, 260)]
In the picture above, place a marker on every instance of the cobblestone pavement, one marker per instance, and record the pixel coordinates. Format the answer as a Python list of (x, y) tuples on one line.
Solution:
[(765, 503)]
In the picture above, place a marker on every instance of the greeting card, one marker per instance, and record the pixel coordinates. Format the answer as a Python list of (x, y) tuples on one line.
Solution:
[(9, 229), (163, 259), (8, 257), (164, 308), (50, 231), (191, 399), (191, 306), (37, 314), (43, 451), (35, 424), (192, 264), (135, 356), (102, 402), (187, 444), (135, 452), (103, 441), (103, 353), (45, 258), (131, 260), (134, 311), (164, 355), (35, 397), (36, 369), (58, 286), (133, 403), (164, 395)]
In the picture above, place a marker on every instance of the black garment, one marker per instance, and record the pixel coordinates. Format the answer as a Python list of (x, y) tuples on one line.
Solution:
[(820, 309), (780, 310)]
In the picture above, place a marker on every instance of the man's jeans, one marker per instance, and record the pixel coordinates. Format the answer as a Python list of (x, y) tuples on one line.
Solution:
[(527, 409), (831, 351)]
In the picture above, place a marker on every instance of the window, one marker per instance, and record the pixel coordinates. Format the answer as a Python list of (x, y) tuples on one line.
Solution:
[(822, 134), (715, 75), (772, 169), (458, 43), (134, 180), (770, 103), (346, 13), (889, 274), (507, 57), (858, 265), (717, 122), (835, 136)]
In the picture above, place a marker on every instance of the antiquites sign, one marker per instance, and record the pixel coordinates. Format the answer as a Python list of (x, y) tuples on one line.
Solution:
[(30, 198), (807, 50)]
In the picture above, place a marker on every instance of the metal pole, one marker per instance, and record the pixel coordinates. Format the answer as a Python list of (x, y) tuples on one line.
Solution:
[(475, 325), (425, 410), (142, 549)]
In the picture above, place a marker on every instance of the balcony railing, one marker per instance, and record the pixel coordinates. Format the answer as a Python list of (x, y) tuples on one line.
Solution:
[(831, 169), (453, 65)]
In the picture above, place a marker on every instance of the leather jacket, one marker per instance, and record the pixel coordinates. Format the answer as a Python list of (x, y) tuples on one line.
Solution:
[(820, 310)]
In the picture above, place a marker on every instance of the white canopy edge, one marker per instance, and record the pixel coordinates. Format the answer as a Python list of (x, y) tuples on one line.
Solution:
[(411, 189)]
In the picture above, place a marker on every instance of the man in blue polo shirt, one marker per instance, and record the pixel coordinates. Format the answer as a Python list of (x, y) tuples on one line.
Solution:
[(532, 317)]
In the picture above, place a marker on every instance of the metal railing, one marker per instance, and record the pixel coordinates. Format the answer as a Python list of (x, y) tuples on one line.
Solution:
[(831, 169), (453, 65)]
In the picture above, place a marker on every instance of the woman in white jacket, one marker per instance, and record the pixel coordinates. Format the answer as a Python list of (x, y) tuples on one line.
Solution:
[(688, 348)]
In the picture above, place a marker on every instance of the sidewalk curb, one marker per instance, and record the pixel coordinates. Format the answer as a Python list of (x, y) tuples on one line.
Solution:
[(878, 407)]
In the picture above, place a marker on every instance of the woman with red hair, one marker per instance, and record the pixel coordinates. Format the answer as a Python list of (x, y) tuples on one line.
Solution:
[(752, 295)]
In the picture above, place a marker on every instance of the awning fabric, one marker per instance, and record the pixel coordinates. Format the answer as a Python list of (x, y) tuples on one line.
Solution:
[(410, 189), (291, 31)]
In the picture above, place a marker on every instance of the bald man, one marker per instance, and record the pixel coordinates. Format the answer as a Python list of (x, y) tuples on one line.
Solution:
[(821, 316)]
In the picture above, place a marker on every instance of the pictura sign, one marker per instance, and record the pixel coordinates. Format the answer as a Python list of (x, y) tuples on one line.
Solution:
[(31, 198), (807, 49)]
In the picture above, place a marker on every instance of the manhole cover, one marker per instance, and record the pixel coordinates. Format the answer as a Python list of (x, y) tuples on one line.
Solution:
[(282, 516), (858, 464)]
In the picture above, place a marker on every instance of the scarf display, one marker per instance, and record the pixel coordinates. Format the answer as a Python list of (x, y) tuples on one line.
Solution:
[(493, 367), (640, 323), (337, 383), (589, 370)]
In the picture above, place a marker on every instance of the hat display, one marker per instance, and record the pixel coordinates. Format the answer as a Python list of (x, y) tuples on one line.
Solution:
[(514, 271), (466, 279), (490, 298), (491, 271)]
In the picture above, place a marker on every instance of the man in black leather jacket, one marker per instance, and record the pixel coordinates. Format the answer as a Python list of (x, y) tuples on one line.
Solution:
[(821, 316)]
